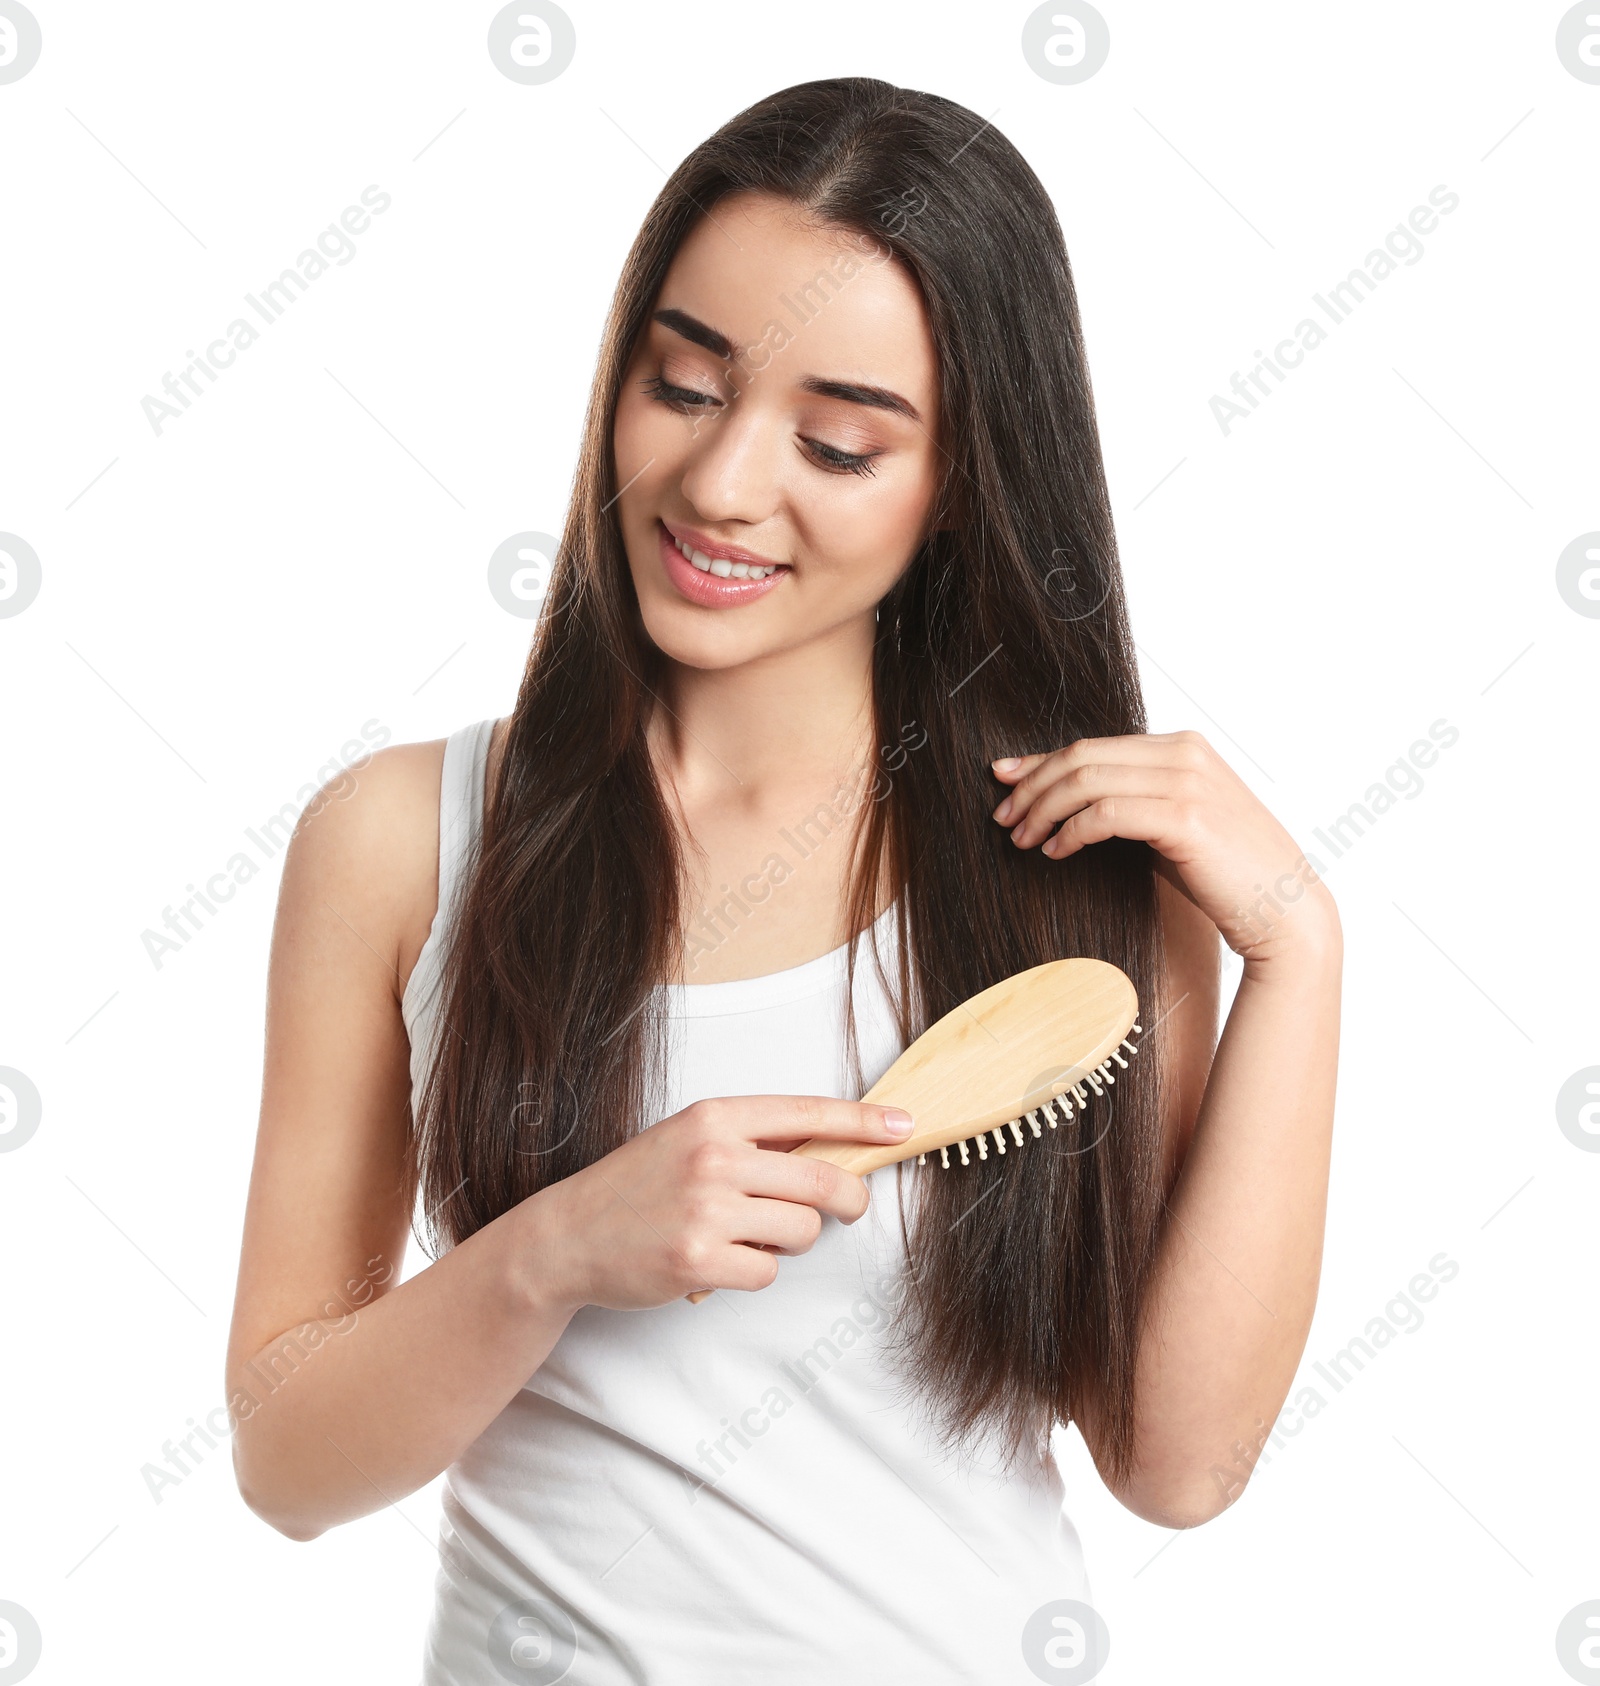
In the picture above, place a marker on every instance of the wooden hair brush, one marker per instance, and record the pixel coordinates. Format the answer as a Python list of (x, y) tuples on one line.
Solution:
[(1031, 1044)]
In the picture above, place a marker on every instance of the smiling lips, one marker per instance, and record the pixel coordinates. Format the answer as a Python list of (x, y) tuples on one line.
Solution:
[(719, 576)]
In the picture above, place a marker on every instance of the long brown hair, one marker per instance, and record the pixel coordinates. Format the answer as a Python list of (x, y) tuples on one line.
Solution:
[(1006, 634)]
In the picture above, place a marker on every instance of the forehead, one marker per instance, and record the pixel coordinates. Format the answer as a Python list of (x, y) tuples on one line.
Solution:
[(804, 299)]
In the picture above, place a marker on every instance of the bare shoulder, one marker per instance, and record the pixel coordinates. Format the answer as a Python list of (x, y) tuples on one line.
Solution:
[(366, 850)]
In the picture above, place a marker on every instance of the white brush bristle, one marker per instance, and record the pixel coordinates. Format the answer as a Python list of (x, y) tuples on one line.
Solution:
[(1098, 1080)]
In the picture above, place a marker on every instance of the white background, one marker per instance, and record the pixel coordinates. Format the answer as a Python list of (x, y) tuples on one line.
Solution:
[(225, 604)]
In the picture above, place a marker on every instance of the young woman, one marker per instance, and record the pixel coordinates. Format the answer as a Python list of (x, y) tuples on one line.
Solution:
[(834, 660)]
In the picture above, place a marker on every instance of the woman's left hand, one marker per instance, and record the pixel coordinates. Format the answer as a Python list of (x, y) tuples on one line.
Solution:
[(1217, 844)]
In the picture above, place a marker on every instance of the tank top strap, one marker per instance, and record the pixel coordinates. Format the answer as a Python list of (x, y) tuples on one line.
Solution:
[(461, 800)]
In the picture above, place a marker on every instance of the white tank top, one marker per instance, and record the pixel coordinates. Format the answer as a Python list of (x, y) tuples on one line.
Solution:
[(742, 1490)]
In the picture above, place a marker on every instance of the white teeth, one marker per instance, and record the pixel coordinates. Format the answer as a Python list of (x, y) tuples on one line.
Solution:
[(723, 569)]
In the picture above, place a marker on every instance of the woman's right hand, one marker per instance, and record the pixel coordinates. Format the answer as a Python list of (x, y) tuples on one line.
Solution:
[(691, 1202)]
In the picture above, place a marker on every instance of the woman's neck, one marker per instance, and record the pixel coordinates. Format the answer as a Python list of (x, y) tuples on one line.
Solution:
[(766, 729)]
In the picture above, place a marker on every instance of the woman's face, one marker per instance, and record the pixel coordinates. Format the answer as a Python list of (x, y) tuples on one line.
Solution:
[(782, 406)]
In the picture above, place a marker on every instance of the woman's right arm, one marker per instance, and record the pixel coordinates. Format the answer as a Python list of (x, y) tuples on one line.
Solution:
[(349, 1389)]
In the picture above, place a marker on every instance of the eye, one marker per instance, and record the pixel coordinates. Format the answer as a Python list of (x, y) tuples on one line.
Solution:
[(685, 402), (842, 461), (678, 398)]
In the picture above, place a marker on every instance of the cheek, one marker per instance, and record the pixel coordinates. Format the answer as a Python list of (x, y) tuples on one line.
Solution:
[(883, 530), (631, 436), (646, 449)]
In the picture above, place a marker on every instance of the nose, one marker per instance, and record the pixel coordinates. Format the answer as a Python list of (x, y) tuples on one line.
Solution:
[(732, 471)]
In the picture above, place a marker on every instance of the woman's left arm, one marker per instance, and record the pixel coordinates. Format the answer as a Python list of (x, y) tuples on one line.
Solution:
[(1235, 1280)]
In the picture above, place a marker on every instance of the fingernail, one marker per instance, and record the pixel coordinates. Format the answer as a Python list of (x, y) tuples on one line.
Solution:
[(1007, 764), (1003, 812), (896, 1122)]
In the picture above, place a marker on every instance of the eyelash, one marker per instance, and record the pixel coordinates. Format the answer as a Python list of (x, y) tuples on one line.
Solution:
[(683, 401)]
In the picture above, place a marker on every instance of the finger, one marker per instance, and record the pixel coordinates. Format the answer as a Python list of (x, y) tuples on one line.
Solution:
[(1172, 749), (1012, 767), (1076, 790), (1124, 745), (1147, 819), (780, 1226), (805, 1181), (746, 1268), (798, 1118)]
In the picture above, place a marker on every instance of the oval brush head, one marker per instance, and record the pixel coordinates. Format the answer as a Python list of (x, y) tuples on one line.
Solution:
[(1027, 1048), (998, 1061)]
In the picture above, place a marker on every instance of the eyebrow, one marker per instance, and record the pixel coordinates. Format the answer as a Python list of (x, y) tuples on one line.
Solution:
[(852, 392)]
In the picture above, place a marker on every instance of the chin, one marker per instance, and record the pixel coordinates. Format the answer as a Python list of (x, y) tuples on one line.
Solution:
[(708, 646)]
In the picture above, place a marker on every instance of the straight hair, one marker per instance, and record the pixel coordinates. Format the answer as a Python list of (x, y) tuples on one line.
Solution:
[(1006, 634)]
